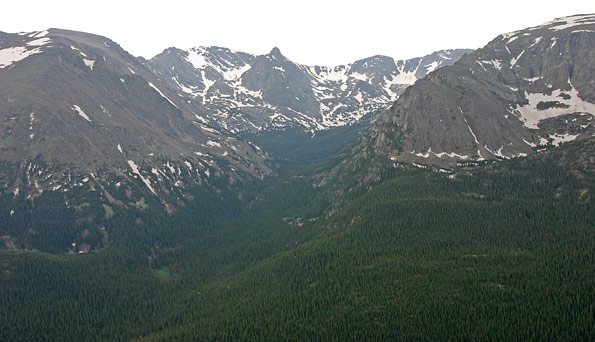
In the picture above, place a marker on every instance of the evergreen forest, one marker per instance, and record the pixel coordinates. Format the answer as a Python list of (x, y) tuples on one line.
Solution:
[(501, 251)]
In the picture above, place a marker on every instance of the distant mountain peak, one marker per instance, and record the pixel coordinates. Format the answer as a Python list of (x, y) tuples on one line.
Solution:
[(271, 92), (276, 53)]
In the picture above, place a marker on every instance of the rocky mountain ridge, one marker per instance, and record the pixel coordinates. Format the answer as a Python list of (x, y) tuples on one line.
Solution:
[(243, 92), (523, 91)]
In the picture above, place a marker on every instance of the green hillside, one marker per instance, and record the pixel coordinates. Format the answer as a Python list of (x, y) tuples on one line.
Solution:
[(503, 253), (500, 252)]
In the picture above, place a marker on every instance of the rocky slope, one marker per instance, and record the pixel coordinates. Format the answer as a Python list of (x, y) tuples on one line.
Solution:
[(81, 118), (523, 90), (243, 92)]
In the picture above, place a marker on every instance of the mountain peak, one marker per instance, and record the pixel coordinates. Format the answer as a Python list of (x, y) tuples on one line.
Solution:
[(275, 53)]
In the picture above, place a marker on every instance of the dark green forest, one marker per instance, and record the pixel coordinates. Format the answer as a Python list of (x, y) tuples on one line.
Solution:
[(500, 251)]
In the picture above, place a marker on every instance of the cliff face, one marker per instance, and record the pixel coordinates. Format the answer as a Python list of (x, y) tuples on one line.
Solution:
[(523, 90)]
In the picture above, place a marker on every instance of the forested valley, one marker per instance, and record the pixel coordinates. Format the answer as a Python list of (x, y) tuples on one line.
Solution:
[(499, 251)]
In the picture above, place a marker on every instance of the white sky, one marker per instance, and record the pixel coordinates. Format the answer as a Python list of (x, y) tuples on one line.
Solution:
[(312, 32)]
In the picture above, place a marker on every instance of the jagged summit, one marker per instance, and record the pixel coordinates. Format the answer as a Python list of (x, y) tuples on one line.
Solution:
[(275, 53)]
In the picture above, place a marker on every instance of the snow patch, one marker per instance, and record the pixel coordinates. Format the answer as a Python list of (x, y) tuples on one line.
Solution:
[(136, 171), (89, 63), (358, 76), (80, 112), (323, 75), (197, 57), (512, 39), (39, 42), (406, 77), (558, 139), (234, 74), (533, 79), (12, 55), (162, 95), (514, 60), (76, 49), (568, 103), (469, 127), (171, 168), (187, 90), (243, 90), (495, 63), (359, 97), (432, 66), (207, 83), (528, 143), (40, 34), (208, 129), (197, 60), (439, 155), (536, 41), (201, 119)]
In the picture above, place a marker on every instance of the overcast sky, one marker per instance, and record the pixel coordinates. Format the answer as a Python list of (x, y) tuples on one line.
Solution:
[(312, 32)]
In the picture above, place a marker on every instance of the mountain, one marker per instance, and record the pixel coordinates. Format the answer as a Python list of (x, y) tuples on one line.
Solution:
[(78, 110), (82, 116), (243, 92), (80, 99), (522, 91), (96, 132), (328, 251)]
